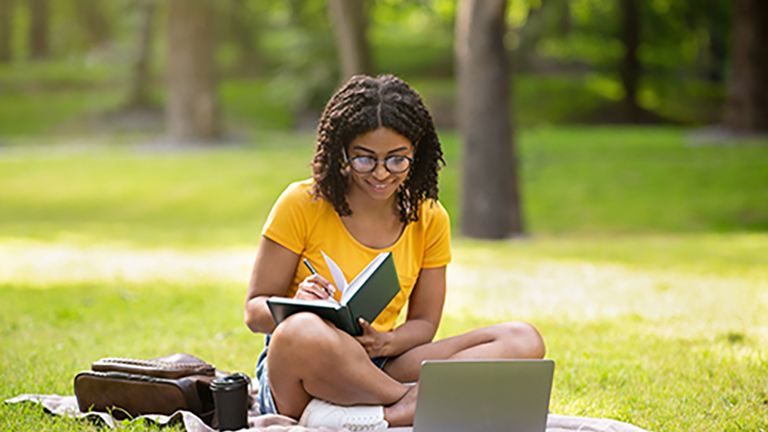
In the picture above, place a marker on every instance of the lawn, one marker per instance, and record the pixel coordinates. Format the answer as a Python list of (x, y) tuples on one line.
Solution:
[(646, 268)]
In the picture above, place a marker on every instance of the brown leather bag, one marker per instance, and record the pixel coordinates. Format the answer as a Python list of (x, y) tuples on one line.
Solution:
[(128, 388)]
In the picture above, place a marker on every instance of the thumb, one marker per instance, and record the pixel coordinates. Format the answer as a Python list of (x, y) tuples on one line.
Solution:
[(364, 324)]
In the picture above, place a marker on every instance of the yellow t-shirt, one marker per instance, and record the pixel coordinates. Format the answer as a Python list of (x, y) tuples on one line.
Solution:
[(307, 226)]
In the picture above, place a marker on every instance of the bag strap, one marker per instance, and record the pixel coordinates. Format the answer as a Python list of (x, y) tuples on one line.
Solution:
[(154, 368)]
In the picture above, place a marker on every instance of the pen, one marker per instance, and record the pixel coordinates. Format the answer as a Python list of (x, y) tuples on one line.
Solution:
[(312, 269)]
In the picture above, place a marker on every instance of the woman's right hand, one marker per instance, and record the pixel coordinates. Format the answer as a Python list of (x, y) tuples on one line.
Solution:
[(315, 287)]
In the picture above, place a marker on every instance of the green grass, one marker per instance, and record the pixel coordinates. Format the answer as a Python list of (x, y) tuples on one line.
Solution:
[(584, 181), (147, 197), (646, 269), (662, 348), (641, 179)]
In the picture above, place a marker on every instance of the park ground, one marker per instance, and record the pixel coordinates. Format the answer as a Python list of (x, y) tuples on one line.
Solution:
[(645, 267)]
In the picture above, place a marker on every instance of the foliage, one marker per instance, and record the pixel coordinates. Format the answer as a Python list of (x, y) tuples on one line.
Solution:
[(286, 48), (677, 37)]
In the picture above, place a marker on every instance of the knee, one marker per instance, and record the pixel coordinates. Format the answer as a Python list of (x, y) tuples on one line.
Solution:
[(300, 333), (525, 338)]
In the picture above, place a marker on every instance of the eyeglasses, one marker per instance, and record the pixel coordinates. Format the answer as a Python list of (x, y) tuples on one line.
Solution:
[(395, 164)]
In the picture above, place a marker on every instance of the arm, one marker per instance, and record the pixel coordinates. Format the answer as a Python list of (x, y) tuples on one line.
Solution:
[(272, 274), (425, 309)]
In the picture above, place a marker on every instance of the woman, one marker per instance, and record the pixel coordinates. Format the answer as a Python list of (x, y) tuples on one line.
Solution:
[(373, 189)]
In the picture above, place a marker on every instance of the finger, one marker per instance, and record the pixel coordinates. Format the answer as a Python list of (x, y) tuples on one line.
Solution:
[(311, 284), (321, 281), (365, 325), (313, 291)]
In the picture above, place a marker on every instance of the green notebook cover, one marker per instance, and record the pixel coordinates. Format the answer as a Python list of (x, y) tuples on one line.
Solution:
[(366, 296)]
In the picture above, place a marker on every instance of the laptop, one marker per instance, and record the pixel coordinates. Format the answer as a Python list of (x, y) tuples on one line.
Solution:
[(483, 396)]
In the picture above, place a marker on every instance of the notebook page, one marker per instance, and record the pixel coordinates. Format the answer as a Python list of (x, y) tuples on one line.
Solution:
[(338, 276)]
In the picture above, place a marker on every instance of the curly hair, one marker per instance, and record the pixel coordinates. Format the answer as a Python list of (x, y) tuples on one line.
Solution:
[(364, 104)]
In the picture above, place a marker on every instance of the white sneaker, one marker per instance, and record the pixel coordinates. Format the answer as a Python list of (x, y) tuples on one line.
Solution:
[(320, 413)]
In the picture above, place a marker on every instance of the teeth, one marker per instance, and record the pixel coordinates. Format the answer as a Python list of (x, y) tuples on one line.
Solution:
[(379, 186)]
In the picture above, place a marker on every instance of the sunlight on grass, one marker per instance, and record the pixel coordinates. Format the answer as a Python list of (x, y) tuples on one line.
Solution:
[(682, 303), (494, 284), (42, 265)]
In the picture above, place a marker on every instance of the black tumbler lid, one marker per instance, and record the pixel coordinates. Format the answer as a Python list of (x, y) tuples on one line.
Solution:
[(230, 382)]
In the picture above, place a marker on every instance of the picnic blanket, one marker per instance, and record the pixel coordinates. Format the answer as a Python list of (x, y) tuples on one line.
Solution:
[(67, 406)]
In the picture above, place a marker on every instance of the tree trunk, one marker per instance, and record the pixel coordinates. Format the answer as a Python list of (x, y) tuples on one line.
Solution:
[(6, 30), (138, 96), (350, 23), (38, 29), (490, 201), (96, 25), (747, 108), (630, 65), (192, 105)]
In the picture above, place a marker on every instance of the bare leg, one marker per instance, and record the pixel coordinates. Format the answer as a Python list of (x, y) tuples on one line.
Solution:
[(502, 341), (309, 358)]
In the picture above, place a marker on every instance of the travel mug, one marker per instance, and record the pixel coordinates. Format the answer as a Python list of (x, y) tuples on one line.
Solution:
[(230, 396)]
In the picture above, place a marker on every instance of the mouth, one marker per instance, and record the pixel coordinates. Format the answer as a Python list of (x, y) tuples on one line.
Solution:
[(379, 187)]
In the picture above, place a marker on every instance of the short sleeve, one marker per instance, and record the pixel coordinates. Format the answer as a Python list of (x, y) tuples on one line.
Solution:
[(288, 223), (437, 250)]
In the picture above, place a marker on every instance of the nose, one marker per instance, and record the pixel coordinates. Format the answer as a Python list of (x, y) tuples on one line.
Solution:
[(380, 172)]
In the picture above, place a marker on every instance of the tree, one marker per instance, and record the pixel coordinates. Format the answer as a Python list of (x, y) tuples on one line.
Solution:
[(6, 29), (747, 108), (630, 68), (490, 197), (192, 105), (96, 25), (350, 24), (38, 29)]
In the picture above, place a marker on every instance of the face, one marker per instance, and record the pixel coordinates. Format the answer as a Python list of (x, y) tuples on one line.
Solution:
[(381, 143)]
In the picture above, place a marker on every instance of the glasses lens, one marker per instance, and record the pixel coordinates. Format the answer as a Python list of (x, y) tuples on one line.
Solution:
[(397, 164), (363, 164)]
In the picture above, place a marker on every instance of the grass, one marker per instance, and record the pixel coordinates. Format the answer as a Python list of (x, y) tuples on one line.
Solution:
[(646, 270), (585, 181), (665, 349)]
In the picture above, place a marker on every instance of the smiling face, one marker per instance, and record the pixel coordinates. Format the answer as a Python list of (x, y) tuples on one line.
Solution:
[(379, 143)]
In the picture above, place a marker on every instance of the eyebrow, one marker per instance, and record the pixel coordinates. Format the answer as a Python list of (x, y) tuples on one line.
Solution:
[(399, 149)]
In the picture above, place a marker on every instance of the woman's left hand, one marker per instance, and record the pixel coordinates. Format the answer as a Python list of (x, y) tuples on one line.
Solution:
[(375, 343)]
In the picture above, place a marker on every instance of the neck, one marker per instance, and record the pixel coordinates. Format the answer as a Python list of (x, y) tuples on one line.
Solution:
[(365, 206)]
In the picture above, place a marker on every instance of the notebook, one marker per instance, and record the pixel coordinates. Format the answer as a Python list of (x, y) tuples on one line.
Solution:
[(483, 396)]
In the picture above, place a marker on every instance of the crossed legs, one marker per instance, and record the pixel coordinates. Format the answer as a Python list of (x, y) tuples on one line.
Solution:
[(309, 358)]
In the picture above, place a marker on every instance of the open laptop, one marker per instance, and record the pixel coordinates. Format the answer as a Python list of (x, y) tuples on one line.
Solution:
[(484, 396)]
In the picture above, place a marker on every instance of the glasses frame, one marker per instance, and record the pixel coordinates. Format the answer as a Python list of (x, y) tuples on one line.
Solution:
[(349, 160)]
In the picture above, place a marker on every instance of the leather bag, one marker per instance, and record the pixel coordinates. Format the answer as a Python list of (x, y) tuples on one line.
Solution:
[(128, 388)]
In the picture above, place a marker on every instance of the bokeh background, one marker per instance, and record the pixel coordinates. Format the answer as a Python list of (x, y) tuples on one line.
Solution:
[(142, 144)]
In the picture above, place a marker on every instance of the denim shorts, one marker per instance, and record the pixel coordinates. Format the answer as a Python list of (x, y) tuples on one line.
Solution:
[(264, 398)]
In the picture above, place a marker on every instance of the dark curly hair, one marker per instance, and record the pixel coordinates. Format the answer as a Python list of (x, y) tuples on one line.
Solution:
[(360, 106)]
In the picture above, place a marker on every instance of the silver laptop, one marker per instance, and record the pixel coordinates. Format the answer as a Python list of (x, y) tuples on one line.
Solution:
[(484, 396)]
